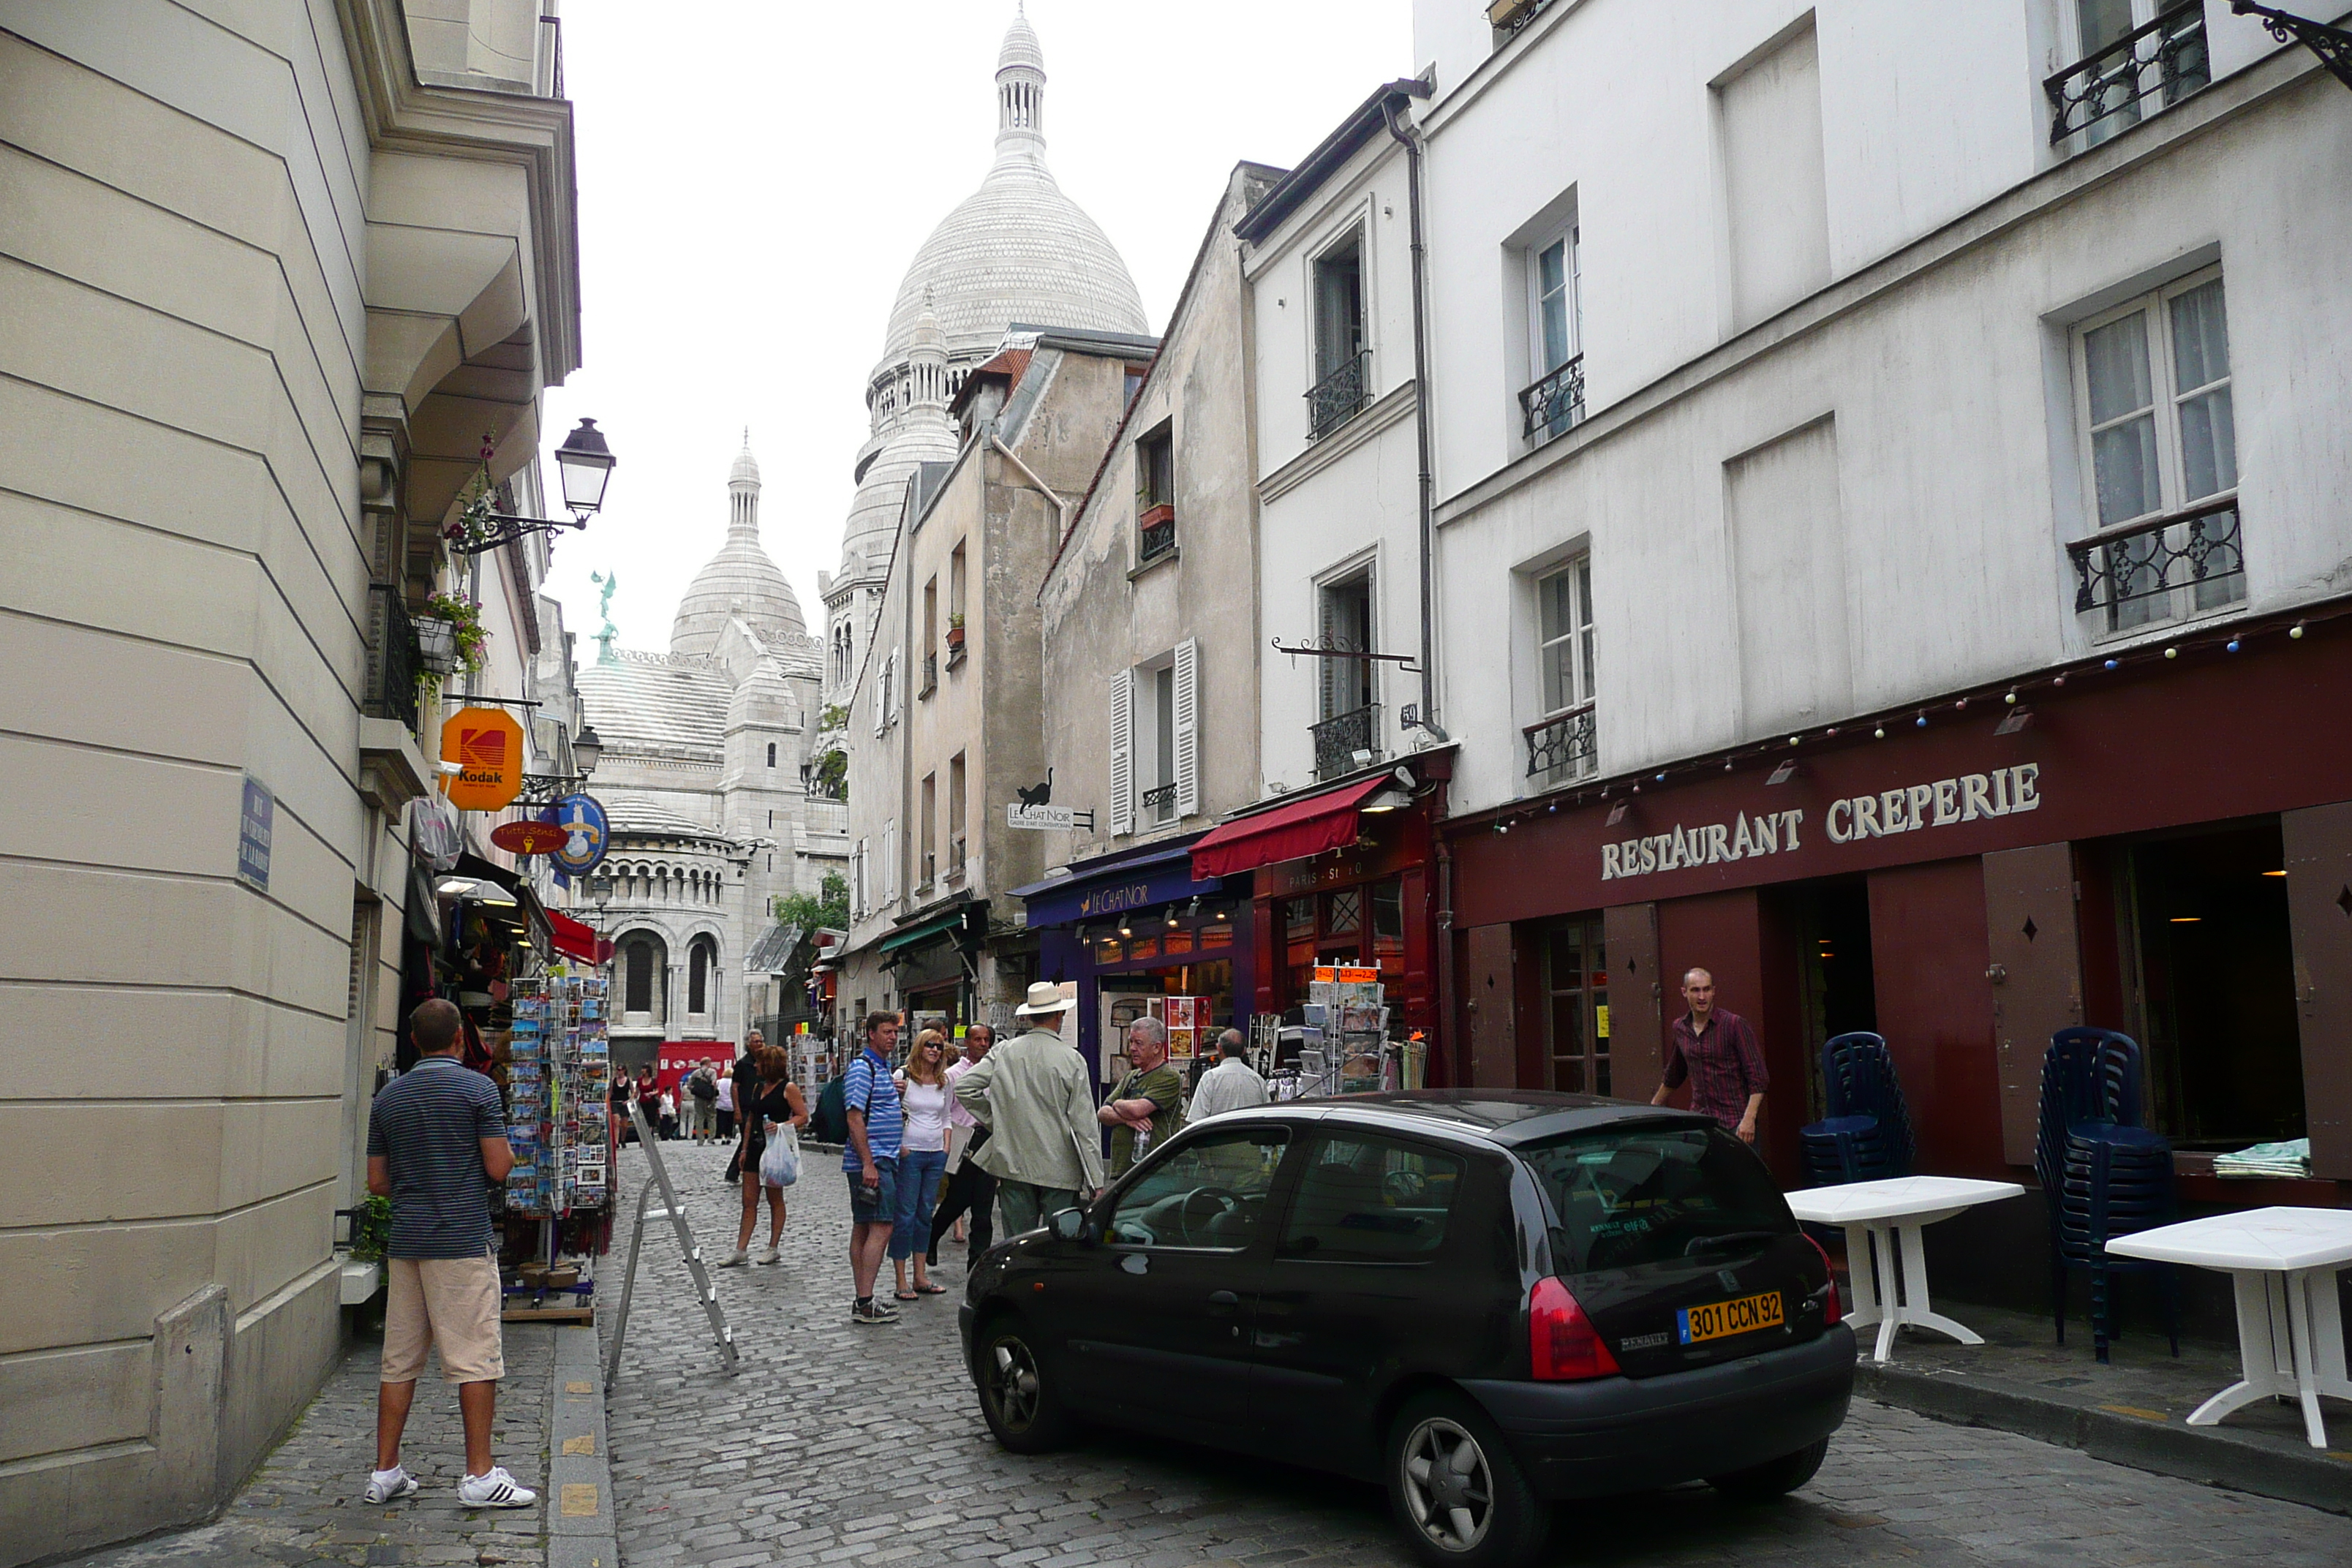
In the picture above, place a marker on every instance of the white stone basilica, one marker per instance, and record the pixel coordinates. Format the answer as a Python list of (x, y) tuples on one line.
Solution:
[(1016, 252), (701, 776)]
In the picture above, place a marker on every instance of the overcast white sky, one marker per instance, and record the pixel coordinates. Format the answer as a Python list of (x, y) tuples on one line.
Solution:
[(755, 177)]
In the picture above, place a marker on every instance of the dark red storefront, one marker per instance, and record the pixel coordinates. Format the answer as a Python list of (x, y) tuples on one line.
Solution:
[(2165, 849), (1365, 897)]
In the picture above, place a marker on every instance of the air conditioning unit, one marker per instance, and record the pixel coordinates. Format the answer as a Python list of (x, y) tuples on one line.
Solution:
[(1511, 12)]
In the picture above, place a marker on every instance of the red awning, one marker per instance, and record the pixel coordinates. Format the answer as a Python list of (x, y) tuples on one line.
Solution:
[(1289, 832), (575, 940)]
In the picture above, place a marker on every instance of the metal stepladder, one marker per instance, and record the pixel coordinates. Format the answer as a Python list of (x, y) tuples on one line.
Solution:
[(674, 1212)]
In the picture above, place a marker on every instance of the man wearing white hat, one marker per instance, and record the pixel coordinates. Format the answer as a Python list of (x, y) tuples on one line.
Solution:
[(1032, 1094)]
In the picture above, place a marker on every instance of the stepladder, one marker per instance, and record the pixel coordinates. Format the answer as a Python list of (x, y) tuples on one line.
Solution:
[(657, 1181)]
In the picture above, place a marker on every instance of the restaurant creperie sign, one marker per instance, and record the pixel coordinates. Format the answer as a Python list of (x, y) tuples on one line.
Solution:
[(1908, 808)]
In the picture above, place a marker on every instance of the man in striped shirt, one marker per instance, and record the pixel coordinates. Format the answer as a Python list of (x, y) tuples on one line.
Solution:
[(877, 1123), (436, 1141)]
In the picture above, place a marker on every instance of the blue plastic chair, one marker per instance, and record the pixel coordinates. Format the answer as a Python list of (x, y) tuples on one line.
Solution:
[(2103, 1175), (1867, 1134)]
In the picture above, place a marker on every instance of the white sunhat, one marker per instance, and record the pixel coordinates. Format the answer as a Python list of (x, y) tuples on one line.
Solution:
[(1048, 997)]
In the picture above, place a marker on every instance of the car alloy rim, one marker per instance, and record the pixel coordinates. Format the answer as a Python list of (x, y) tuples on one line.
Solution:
[(1015, 1383), (1447, 1485)]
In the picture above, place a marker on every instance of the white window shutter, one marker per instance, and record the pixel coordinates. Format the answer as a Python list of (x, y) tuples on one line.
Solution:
[(1122, 751), (1187, 727), (890, 861)]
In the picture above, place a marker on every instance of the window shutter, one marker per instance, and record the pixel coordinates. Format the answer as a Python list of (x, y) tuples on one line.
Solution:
[(890, 861), (1188, 728), (890, 687), (1122, 751)]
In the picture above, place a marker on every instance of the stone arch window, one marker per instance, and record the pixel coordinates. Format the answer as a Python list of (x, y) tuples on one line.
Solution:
[(702, 961), (772, 754), (644, 976)]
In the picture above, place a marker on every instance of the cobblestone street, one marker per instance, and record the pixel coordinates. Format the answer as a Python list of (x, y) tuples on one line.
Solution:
[(842, 1444)]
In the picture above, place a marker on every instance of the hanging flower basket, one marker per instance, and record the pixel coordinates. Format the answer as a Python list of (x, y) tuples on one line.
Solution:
[(436, 645)]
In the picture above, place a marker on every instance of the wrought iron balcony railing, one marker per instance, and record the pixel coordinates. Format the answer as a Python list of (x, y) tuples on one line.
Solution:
[(391, 676), (1556, 401), (1159, 805), (1340, 396), (2152, 66), (1346, 741), (2119, 573), (1563, 745), (1158, 534)]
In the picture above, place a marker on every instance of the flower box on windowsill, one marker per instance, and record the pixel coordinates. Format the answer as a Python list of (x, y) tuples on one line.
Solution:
[(436, 645), (955, 639)]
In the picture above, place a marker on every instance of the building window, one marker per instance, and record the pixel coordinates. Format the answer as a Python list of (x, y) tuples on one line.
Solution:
[(1155, 494), (1561, 743), (703, 957), (956, 817), (928, 833), (2159, 448), (1576, 1012), (955, 606), (1134, 375), (1341, 387), (930, 638), (772, 754), (643, 981), (1554, 399), (1346, 734), (2134, 57)]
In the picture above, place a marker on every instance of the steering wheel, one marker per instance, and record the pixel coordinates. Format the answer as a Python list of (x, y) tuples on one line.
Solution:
[(1227, 1201)]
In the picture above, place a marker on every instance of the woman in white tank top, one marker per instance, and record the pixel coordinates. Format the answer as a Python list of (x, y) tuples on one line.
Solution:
[(922, 1161)]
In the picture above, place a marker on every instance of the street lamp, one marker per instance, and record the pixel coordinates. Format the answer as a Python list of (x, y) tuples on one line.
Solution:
[(599, 887), (586, 748), (585, 463)]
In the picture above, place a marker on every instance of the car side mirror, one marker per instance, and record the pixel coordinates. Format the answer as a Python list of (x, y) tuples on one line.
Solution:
[(1070, 1224)]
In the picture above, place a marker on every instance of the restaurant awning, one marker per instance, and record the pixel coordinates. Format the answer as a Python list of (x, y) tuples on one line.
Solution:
[(1291, 831), (575, 940)]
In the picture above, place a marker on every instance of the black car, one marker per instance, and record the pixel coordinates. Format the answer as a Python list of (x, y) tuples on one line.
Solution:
[(1488, 1301)]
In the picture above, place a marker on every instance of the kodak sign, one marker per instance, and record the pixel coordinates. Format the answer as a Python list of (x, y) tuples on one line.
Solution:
[(487, 745)]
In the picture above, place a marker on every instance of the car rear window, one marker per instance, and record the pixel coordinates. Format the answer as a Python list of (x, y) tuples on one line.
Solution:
[(1627, 1195)]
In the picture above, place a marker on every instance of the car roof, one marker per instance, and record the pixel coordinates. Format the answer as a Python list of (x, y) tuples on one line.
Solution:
[(1507, 1118)]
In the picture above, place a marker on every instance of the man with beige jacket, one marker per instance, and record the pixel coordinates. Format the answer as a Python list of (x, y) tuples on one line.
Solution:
[(1033, 1095)]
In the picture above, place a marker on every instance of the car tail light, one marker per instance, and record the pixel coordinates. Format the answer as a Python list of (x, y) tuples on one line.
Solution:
[(1832, 1310), (1563, 1344)]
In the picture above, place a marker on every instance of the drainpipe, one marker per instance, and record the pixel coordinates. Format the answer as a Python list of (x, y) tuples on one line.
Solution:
[(1409, 141)]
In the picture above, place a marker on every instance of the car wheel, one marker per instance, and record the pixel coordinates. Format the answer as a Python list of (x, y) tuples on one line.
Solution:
[(1017, 1394), (1455, 1488), (1773, 1477)]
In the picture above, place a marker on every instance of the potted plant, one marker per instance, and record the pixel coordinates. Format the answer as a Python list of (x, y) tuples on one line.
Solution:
[(449, 638), (955, 633)]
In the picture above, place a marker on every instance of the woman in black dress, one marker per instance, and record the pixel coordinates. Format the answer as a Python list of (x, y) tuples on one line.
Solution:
[(764, 1095)]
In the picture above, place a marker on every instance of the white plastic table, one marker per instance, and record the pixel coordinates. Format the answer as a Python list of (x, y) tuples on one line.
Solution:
[(2283, 1263), (1872, 1215)]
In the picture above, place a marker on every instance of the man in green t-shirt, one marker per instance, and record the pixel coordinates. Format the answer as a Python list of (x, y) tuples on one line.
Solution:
[(1147, 1109)]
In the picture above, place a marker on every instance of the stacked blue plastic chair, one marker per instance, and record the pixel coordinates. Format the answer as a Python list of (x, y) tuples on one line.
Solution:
[(2103, 1175), (1867, 1134)]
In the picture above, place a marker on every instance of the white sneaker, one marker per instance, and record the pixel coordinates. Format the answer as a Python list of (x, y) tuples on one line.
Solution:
[(735, 1260), (496, 1489), (770, 1256), (390, 1486)]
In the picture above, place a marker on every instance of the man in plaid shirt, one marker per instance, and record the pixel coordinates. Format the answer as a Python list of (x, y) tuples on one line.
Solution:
[(1718, 1052)]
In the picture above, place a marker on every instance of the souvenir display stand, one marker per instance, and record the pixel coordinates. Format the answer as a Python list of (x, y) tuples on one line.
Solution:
[(558, 1123), (1341, 1045)]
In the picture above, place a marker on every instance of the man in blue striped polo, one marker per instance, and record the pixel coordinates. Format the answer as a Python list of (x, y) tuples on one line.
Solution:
[(871, 1159), (437, 1143)]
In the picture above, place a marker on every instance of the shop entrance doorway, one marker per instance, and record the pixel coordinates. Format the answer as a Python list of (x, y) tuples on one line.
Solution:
[(1576, 1005), (1827, 925), (2209, 964)]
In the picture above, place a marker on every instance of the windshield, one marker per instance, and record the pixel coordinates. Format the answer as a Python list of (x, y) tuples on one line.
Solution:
[(1627, 1195)]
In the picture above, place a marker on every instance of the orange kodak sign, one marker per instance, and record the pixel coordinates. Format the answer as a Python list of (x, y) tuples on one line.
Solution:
[(487, 745)]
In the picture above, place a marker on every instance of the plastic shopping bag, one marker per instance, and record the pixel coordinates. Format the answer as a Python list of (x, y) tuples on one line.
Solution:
[(780, 1166)]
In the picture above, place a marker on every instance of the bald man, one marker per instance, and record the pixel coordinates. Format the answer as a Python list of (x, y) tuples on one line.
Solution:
[(1718, 1052)]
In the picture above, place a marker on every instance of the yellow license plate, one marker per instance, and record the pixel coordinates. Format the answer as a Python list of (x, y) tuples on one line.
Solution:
[(1719, 1320)]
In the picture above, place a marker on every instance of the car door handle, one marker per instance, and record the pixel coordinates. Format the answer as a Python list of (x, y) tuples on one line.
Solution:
[(1223, 1299)]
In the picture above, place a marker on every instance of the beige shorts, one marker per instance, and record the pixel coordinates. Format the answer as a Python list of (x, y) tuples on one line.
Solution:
[(451, 1302)]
